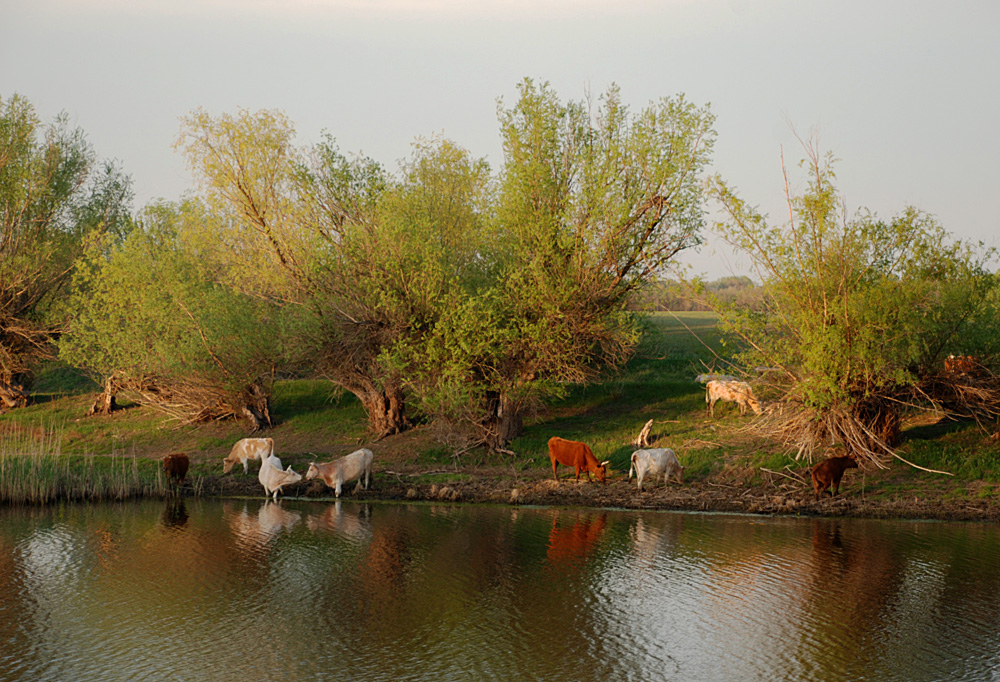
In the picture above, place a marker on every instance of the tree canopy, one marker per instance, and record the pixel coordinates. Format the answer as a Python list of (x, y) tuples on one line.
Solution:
[(859, 313), (53, 194)]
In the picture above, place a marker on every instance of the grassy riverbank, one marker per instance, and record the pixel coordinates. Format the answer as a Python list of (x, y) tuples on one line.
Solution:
[(727, 468)]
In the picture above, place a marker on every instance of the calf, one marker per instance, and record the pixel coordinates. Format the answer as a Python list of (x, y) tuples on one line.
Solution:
[(829, 472), (653, 462), (577, 455), (175, 468), (344, 470), (733, 391), (273, 478), (245, 450)]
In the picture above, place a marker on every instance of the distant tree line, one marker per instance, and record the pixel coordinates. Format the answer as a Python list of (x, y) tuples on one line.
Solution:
[(684, 296)]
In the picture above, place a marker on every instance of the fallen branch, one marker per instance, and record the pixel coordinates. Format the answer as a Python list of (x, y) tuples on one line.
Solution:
[(793, 477), (917, 466)]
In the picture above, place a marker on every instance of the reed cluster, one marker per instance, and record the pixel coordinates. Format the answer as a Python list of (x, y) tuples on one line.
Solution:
[(33, 470)]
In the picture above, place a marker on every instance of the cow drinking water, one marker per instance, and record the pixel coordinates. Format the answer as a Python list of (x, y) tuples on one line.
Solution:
[(344, 470)]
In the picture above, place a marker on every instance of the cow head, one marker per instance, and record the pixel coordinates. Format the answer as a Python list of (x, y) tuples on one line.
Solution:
[(227, 465), (602, 471), (313, 471)]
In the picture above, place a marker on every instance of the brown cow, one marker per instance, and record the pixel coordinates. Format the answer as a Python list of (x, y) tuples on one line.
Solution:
[(962, 364), (577, 455), (829, 472), (175, 467)]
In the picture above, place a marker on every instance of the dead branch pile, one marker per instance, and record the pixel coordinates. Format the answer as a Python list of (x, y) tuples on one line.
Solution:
[(870, 428), (192, 401)]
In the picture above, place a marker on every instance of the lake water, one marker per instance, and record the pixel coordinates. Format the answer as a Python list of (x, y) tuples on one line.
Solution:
[(246, 590)]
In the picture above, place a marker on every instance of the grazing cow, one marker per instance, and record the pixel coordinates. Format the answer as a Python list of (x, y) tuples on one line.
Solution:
[(175, 468), (577, 455), (829, 472), (732, 391), (273, 478), (656, 461), (245, 450), (344, 470)]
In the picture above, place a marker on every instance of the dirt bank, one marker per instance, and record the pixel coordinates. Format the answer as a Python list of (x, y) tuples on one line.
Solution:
[(501, 486)]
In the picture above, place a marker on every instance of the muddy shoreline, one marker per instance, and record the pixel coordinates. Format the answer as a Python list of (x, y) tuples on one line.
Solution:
[(493, 487)]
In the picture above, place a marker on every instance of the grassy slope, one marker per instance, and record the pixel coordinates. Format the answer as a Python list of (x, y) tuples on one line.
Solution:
[(657, 384)]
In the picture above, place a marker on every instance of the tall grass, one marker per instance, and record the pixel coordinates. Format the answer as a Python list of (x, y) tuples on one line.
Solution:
[(33, 470)]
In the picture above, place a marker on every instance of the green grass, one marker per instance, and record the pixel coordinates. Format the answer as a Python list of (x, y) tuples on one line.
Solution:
[(658, 384)]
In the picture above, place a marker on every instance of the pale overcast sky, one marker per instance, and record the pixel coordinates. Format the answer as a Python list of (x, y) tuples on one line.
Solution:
[(905, 92)]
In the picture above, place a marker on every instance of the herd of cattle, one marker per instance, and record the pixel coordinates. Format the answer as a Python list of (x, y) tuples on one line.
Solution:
[(647, 462)]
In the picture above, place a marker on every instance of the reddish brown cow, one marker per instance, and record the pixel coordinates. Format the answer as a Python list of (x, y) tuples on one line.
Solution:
[(577, 455), (175, 467), (829, 472)]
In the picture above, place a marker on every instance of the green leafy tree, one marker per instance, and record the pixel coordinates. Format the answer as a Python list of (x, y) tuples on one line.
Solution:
[(53, 194), (156, 318), (858, 316), (590, 205)]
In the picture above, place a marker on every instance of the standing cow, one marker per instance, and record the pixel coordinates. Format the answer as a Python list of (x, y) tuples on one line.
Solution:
[(733, 391), (577, 455), (245, 450), (829, 472), (344, 470), (175, 468), (272, 477), (653, 462)]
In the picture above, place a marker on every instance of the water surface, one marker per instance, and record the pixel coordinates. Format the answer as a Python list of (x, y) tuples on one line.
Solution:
[(246, 590)]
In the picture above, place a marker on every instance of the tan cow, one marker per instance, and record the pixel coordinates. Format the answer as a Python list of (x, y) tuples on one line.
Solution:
[(245, 450), (272, 477), (732, 391), (653, 462), (344, 470)]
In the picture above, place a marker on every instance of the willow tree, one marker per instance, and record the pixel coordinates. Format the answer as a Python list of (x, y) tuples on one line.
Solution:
[(53, 194), (156, 319), (591, 202), (858, 316), (359, 251)]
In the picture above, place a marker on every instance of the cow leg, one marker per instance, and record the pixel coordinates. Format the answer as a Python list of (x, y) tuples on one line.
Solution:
[(246, 467), (554, 474)]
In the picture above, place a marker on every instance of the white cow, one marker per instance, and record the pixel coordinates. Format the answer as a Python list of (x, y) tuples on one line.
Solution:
[(344, 470), (656, 461), (273, 478), (733, 391), (245, 450)]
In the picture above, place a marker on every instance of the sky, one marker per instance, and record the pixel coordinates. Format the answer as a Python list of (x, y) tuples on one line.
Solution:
[(905, 93)]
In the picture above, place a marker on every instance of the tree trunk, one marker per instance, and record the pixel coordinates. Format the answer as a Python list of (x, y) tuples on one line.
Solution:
[(12, 394), (105, 402), (386, 410), (256, 406), (502, 423)]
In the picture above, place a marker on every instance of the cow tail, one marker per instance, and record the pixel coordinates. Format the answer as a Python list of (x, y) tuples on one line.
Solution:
[(632, 467)]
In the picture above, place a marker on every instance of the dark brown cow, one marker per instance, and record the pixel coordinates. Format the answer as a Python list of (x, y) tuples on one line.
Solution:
[(175, 467), (829, 472), (962, 364), (577, 455)]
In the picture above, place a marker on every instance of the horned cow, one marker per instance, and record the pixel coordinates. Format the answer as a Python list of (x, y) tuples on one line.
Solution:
[(273, 478), (577, 455), (348, 468), (653, 462)]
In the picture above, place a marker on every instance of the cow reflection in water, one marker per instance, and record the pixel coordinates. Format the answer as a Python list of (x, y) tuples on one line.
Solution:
[(175, 514), (570, 546), (333, 518), (253, 532)]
